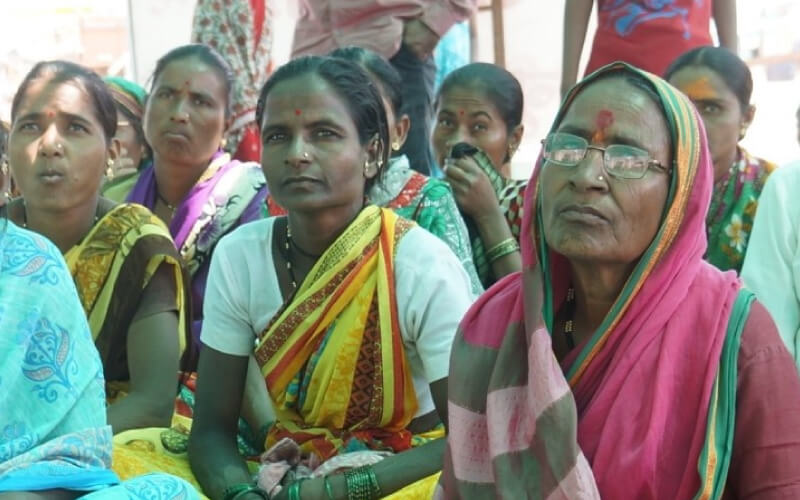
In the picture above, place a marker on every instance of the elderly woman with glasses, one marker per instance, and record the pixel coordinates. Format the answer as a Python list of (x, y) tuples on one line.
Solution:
[(618, 363)]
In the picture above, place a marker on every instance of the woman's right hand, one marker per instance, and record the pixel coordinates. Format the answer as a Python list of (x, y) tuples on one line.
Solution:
[(472, 188)]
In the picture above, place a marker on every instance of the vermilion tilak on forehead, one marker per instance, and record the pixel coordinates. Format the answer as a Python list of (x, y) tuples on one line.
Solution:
[(298, 112), (602, 122)]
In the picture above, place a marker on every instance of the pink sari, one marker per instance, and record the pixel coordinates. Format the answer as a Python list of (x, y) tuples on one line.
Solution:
[(648, 400)]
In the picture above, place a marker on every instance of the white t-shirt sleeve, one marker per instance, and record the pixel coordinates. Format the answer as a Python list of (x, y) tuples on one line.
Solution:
[(433, 294), (226, 320), (772, 264)]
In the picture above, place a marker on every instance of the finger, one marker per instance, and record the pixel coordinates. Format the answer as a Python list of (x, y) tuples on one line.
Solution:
[(456, 174)]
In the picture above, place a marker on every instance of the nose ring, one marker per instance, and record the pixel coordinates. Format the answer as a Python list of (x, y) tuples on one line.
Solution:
[(306, 156)]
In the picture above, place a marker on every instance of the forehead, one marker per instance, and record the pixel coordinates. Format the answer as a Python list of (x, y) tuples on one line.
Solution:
[(305, 99), (45, 95), (468, 99), (616, 105), (701, 83), (193, 74)]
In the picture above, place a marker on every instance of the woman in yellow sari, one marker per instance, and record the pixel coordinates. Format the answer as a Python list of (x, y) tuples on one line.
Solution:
[(121, 257), (351, 309)]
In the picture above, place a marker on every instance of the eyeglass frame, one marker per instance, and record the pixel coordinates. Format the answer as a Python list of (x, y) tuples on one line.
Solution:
[(651, 163)]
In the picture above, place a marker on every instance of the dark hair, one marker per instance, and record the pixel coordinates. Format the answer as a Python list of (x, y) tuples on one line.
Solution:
[(352, 84), (64, 71), (726, 64), (138, 130), (384, 73), (208, 56), (500, 86), (3, 138)]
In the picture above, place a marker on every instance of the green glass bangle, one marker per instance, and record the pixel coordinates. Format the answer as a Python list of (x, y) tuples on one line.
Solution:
[(328, 488), (502, 249), (237, 491), (362, 484)]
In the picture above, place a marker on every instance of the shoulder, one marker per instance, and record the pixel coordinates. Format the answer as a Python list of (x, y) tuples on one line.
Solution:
[(421, 256), (761, 342), (248, 240), (31, 257)]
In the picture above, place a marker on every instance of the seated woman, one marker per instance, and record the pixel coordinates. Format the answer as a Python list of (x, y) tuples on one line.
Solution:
[(121, 257), (427, 201), (134, 153), (55, 443), (719, 84), (481, 105), (634, 404), (351, 308), (192, 185)]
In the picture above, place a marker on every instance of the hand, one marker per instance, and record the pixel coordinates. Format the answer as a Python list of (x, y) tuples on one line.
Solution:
[(471, 187), (419, 38)]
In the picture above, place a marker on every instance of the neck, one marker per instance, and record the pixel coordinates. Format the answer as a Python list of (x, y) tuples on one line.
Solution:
[(723, 165), (315, 231), (505, 170), (175, 180), (65, 228), (596, 289)]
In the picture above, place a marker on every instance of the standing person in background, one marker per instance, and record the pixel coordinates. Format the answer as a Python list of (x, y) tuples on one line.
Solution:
[(403, 31), (242, 33), (648, 34)]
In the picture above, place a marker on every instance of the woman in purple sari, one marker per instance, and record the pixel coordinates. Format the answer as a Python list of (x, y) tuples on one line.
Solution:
[(192, 184)]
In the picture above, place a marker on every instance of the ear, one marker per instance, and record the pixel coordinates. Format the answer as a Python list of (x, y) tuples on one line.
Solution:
[(374, 157), (748, 115), (515, 139), (114, 149), (401, 128)]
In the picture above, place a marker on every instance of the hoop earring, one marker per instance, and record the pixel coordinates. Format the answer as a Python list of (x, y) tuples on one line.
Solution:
[(395, 146)]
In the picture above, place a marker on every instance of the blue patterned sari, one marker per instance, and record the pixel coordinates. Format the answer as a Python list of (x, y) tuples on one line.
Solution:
[(53, 431)]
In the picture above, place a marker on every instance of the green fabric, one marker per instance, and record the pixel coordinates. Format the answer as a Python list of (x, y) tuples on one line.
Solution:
[(722, 407), (119, 188), (133, 89), (733, 210)]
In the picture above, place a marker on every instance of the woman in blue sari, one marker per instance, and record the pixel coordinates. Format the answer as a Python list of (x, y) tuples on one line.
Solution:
[(54, 439)]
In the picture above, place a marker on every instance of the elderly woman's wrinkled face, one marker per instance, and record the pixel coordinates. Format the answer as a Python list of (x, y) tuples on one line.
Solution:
[(589, 215)]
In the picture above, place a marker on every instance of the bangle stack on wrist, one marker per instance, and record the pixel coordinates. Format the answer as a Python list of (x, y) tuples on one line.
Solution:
[(362, 484), (505, 247), (237, 491)]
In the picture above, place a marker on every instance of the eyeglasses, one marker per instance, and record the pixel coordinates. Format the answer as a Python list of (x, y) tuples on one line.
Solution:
[(619, 160)]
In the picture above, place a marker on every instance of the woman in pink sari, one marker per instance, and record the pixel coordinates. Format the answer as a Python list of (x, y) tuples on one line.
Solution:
[(619, 364)]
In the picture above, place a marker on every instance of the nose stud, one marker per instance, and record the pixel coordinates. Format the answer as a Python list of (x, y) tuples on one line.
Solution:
[(600, 178), (306, 156)]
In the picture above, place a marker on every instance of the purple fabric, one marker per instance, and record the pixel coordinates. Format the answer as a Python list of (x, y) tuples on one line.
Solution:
[(186, 215)]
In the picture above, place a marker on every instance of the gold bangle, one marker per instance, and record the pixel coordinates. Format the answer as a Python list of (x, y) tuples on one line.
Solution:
[(502, 249)]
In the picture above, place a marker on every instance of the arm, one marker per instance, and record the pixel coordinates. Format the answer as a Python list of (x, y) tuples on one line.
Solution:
[(421, 34), (725, 20), (213, 454), (772, 262), (153, 358), (476, 198), (576, 21), (257, 407), (766, 447)]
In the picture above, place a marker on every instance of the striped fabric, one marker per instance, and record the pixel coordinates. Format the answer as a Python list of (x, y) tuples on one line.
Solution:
[(524, 426)]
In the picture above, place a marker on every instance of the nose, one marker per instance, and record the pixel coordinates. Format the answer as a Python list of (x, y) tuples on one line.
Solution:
[(179, 112), (51, 144), (461, 134), (590, 174), (299, 153)]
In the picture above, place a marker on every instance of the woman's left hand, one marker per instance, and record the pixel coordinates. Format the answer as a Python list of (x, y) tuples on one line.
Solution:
[(471, 187)]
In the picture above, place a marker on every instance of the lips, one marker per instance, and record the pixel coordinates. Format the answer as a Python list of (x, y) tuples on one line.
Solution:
[(300, 179), (50, 175), (583, 213), (179, 134)]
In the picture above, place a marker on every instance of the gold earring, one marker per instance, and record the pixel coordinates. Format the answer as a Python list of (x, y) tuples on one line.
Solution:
[(223, 143), (742, 132), (395, 146), (109, 169)]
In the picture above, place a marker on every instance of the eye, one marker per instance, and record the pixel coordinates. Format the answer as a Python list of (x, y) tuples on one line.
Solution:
[(77, 127), (163, 93), (445, 122), (709, 108), (27, 126), (325, 133), (199, 101), (273, 137), (480, 127)]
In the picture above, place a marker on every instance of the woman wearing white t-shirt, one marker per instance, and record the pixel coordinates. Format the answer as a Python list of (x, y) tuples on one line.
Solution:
[(349, 310)]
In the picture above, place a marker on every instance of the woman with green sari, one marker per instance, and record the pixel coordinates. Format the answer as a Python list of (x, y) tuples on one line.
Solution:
[(719, 84), (619, 364)]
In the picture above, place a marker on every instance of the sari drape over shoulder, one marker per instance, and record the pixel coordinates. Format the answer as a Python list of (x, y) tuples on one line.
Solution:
[(53, 432), (645, 407), (228, 195), (333, 358), (111, 268)]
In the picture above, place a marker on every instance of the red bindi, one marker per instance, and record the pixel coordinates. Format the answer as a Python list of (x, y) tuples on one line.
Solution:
[(461, 113), (50, 114), (298, 112), (602, 121)]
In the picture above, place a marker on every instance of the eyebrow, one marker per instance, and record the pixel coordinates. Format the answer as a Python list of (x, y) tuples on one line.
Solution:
[(474, 114), (323, 122), (36, 115), (612, 138), (193, 93)]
